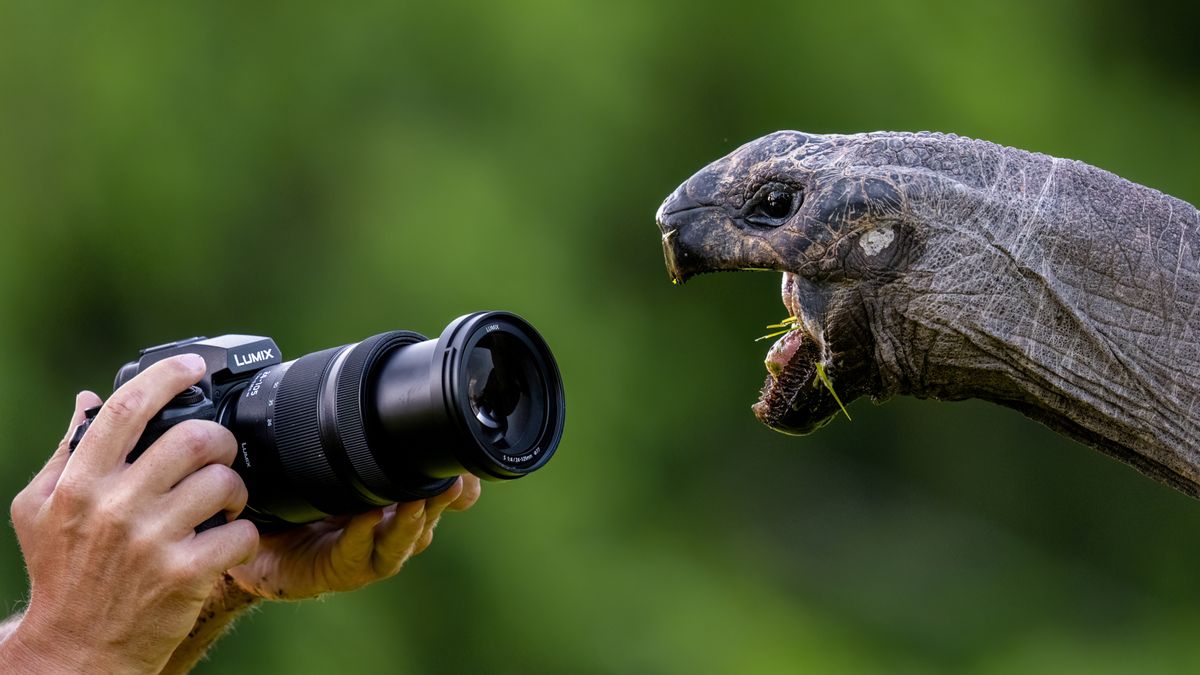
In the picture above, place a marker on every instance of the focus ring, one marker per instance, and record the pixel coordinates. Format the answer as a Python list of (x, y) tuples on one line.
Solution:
[(298, 436)]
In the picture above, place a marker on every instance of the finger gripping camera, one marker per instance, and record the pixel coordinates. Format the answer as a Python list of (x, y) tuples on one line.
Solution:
[(395, 417)]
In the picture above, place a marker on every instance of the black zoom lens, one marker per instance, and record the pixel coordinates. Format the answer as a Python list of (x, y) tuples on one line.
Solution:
[(396, 417)]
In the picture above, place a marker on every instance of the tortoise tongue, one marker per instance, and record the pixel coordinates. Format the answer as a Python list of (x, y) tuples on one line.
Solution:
[(781, 353)]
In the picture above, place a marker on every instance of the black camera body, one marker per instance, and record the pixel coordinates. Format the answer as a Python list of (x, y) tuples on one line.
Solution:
[(395, 417)]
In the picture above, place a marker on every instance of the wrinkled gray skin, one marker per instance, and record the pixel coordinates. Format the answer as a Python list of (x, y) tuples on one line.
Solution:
[(944, 267)]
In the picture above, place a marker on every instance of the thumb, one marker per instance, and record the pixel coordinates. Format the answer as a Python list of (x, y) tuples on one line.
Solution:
[(43, 483)]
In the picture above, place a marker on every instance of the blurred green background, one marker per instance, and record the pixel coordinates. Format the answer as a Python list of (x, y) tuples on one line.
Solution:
[(320, 172)]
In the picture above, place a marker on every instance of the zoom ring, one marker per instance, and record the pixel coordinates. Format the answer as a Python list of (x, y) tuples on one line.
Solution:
[(298, 437)]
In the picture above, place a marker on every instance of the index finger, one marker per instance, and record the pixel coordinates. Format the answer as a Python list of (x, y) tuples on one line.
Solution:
[(123, 417)]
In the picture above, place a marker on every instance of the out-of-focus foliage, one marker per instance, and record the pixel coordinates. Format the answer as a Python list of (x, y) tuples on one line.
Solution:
[(320, 172)]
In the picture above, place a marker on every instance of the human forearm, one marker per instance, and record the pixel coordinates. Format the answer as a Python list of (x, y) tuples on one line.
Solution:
[(226, 603)]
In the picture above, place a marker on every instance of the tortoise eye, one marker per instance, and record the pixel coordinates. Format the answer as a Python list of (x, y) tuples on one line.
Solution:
[(778, 204), (773, 204)]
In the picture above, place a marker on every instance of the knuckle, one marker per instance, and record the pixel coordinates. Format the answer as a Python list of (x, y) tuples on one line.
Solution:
[(225, 444), (228, 482), (144, 542), (194, 436), (126, 404), (245, 537), (72, 496), (207, 440), (182, 569), (113, 510), (19, 509)]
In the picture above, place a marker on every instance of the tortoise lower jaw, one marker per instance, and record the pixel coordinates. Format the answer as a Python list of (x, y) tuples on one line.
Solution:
[(795, 423), (792, 399), (792, 402)]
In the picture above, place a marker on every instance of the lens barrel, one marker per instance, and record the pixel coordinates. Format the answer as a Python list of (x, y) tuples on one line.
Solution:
[(397, 417)]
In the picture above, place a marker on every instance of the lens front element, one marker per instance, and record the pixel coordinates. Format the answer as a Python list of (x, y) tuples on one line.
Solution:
[(505, 391)]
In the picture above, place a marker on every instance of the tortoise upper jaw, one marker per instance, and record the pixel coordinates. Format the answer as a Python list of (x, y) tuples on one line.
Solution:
[(676, 218), (676, 202), (699, 237)]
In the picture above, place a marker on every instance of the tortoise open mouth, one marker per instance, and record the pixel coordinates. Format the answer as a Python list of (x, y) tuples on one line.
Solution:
[(805, 364), (795, 398)]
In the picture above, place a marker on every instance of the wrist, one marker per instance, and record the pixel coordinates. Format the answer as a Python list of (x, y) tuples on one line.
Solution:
[(30, 649), (43, 643)]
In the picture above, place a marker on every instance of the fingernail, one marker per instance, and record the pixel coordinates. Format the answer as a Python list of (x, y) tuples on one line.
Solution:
[(192, 362), (420, 513)]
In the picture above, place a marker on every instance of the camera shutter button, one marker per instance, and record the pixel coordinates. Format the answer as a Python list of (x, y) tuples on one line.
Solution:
[(190, 396)]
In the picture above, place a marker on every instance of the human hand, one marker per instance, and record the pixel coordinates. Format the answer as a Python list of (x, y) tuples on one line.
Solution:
[(117, 572), (348, 552)]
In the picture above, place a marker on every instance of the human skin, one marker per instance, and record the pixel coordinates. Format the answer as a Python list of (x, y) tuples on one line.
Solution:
[(120, 581), (944, 267)]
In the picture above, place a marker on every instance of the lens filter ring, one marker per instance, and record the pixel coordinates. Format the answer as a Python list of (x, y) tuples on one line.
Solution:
[(516, 415)]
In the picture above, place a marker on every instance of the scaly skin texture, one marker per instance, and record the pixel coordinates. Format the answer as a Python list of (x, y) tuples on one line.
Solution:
[(944, 267)]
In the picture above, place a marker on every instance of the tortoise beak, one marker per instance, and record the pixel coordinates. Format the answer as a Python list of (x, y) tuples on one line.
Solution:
[(676, 202), (699, 237), (676, 219)]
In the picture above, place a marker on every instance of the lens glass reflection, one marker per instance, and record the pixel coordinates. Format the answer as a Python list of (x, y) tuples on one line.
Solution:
[(499, 373)]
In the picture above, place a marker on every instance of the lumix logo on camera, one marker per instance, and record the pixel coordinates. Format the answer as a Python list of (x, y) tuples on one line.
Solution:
[(256, 357)]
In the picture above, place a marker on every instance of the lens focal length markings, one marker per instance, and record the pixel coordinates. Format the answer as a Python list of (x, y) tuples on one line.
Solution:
[(274, 495)]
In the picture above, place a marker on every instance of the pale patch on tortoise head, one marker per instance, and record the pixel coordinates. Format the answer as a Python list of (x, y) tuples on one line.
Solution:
[(876, 240)]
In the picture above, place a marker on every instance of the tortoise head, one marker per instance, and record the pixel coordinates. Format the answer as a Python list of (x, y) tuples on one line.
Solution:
[(843, 217)]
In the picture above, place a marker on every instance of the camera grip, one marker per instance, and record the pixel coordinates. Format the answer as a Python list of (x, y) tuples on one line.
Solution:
[(191, 404)]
